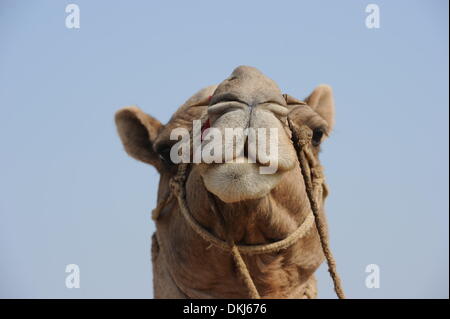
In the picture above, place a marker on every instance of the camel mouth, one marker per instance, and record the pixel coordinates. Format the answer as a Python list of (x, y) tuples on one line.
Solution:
[(238, 180), (248, 135), (251, 161)]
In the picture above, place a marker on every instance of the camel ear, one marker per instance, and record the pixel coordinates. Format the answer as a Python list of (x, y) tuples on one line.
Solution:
[(137, 132), (322, 102), (290, 100)]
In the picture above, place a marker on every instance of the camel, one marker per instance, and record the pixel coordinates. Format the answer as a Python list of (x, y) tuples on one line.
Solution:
[(257, 209)]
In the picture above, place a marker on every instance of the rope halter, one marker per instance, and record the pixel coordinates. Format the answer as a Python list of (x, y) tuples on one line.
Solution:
[(314, 184)]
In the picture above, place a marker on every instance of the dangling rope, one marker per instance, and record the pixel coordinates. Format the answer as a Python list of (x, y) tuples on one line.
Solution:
[(314, 184), (243, 271), (301, 138)]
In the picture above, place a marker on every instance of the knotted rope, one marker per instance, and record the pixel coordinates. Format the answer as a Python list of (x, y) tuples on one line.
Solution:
[(314, 182)]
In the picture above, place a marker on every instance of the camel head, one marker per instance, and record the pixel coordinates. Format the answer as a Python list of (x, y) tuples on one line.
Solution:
[(237, 137), (252, 110)]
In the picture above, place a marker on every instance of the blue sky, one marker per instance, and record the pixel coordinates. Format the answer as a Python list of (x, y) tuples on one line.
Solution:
[(71, 195)]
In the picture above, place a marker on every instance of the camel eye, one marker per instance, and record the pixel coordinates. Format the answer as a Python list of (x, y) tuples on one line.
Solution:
[(164, 153), (317, 137)]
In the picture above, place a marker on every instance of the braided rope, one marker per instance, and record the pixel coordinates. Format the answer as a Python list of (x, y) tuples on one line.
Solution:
[(303, 229)]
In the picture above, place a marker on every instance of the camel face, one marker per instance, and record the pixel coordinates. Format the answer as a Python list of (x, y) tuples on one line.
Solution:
[(251, 104)]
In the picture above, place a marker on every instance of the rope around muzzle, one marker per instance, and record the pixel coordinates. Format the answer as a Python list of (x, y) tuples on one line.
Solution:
[(314, 183), (178, 189)]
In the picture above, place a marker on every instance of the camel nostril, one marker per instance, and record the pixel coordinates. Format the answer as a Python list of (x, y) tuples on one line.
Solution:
[(246, 148), (205, 126)]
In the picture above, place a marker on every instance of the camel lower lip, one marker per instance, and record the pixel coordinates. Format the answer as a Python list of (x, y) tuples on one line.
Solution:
[(233, 182)]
